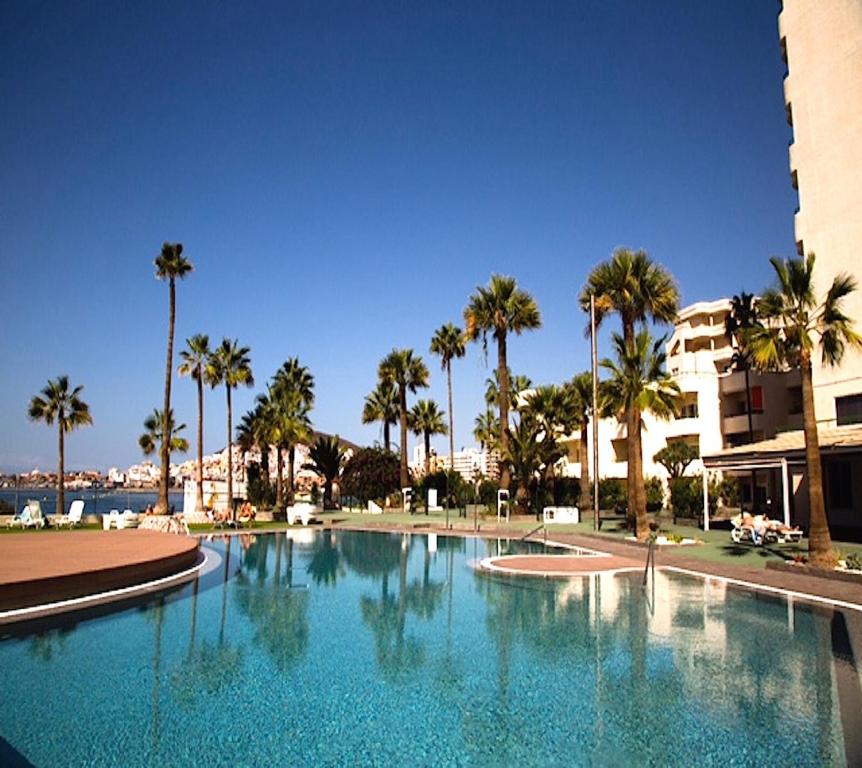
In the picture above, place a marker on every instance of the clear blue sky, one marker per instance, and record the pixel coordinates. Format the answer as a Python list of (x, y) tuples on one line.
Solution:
[(343, 175)]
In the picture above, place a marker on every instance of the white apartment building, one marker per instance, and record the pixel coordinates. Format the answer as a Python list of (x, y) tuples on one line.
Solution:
[(713, 414)]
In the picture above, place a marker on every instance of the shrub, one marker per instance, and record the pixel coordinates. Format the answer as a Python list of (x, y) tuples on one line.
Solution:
[(567, 491), (654, 494), (854, 561), (686, 496), (729, 492), (488, 495), (371, 474), (612, 493)]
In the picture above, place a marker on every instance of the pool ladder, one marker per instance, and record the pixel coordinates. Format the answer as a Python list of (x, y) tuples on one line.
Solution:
[(536, 530), (650, 562)]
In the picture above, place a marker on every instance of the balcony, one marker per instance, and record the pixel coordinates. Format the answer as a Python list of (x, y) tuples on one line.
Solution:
[(738, 423), (683, 427)]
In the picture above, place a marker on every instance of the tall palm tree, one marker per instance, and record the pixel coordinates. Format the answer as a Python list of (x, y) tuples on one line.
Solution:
[(581, 391), (638, 383), (738, 327), (795, 324), (294, 387), (326, 457), (170, 265), (448, 343), (382, 405), (498, 309), (267, 427), (230, 364), (407, 371), (425, 420), (637, 288), (57, 402), (153, 438), (196, 357)]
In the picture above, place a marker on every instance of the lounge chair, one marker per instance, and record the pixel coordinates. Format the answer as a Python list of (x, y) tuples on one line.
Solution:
[(37, 519), (19, 520), (743, 533), (127, 520), (304, 512), (76, 511)]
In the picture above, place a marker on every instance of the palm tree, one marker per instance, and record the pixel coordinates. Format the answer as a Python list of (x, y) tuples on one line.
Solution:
[(230, 364), (498, 309), (406, 371), (795, 324), (382, 405), (638, 384), (636, 288), (448, 343), (293, 385), (57, 402), (529, 450), (486, 430), (326, 458), (552, 408), (267, 429), (738, 327), (170, 265), (518, 383), (196, 357), (425, 419), (581, 391), (153, 439)]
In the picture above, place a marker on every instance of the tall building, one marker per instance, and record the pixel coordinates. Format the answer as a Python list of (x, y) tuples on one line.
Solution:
[(821, 43)]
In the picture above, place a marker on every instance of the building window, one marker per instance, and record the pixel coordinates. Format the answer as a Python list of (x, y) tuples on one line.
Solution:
[(688, 411), (848, 410), (840, 481)]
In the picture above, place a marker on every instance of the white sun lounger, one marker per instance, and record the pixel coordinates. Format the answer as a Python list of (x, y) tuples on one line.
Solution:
[(303, 512), (76, 511)]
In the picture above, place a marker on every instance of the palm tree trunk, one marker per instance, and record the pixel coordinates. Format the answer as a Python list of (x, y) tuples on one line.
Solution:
[(61, 470), (632, 426), (199, 502), (636, 464), (279, 484), (402, 405), (503, 376), (584, 456), (427, 452), (164, 479), (819, 539), (451, 416), (386, 435), (229, 455), (291, 458)]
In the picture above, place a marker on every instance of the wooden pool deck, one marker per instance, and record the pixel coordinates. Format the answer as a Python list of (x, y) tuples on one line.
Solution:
[(47, 567)]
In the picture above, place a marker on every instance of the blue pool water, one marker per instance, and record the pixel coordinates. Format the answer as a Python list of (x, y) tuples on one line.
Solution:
[(382, 649)]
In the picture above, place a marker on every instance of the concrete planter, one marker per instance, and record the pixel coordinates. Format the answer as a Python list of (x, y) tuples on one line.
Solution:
[(852, 577)]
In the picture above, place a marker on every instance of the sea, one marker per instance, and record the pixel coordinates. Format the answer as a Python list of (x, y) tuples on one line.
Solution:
[(96, 502)]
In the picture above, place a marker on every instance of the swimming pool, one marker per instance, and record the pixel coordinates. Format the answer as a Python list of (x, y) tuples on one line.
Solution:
[(388, 649)]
